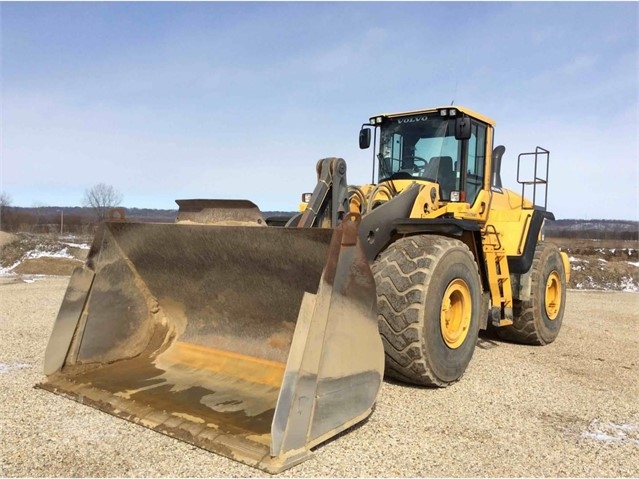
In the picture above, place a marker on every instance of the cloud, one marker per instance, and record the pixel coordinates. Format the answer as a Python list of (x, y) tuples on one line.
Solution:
[(241, 100)]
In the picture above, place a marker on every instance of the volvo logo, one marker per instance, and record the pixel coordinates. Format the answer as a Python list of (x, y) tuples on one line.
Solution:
[(412, 119)]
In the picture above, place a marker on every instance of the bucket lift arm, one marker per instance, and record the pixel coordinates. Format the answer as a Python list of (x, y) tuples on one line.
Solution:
[(329, 202)]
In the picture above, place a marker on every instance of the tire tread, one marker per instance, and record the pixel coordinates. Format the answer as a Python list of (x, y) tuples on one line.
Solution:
[(524, 329), (402, 273)]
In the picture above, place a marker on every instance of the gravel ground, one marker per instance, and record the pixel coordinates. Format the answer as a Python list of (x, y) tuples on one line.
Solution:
[(567, 409)]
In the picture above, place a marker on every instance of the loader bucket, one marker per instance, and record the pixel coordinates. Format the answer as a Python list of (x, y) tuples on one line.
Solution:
[(256, 343)]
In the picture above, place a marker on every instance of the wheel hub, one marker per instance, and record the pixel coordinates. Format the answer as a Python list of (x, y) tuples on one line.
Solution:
[(456, 311), (553, 295)]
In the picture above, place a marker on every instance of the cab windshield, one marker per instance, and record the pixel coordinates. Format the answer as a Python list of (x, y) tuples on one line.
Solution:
[(420, 146)]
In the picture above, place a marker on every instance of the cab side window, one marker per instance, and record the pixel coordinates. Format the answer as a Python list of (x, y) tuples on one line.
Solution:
[(476, 161)]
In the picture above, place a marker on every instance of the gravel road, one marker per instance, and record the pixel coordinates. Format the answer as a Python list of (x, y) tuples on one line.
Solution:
[(567, 409)]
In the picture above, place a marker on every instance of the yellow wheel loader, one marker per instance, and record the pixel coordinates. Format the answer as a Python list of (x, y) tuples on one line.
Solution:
[(260, 338), (452, 250)]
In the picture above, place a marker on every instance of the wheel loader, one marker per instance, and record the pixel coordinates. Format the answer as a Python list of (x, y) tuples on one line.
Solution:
[(260, 338), (451, 249)]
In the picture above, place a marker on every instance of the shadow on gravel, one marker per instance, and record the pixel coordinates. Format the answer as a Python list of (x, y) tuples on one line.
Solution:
[(488, 339)]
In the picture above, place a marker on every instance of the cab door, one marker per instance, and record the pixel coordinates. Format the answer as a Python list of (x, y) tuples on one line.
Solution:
[(476, 161)]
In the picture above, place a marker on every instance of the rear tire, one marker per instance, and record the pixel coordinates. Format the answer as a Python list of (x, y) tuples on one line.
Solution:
[(538, 320), (428, 298)]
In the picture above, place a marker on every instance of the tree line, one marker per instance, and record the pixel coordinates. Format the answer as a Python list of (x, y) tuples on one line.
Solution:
[(97, 201), (601, 229), (594, 233), (16, 219), (100, 198)]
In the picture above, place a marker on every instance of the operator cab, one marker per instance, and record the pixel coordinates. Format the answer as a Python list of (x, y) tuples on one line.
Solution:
[(444, 145)]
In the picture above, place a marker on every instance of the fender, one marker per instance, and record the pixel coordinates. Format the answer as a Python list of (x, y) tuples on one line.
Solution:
[(521, 264)]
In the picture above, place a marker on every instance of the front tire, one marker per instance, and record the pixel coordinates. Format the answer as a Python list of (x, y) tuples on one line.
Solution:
[(428, 297), (538, 320)]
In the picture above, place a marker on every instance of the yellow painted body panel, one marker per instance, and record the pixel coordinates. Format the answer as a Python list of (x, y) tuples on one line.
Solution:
[(384, 192), (463, 109), (510, 220), (566, 262)]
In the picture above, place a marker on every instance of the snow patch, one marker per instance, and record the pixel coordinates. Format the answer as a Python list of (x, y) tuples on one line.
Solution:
[(612, 433), (633, 263), (39, 252), (572, 259), (628, 285), (78, 245), (7, 271), (42, 252), (5, 368)]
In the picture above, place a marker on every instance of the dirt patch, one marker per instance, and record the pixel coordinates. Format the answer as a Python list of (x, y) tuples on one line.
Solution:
[(48, 254), (48, 266), (6, 238), (14, 251), (601, 264)]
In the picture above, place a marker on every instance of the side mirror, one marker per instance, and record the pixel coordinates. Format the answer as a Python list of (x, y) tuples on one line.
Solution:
[(462, 128), (364, 138)]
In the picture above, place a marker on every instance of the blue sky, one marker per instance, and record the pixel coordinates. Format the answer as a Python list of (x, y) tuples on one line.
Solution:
[(240, 100)]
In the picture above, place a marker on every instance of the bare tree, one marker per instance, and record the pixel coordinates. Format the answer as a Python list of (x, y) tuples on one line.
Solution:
[(102, 198), (5, 202), (5, 199)]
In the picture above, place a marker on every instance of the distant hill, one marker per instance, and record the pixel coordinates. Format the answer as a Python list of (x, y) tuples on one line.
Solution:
[(48, 218), (593, 229), (17, 217), (45, 219), (54, 211)]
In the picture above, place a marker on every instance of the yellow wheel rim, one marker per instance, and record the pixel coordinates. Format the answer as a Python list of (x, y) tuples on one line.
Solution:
[(456, 312), (553, 295), (357, 200), (380, 194)]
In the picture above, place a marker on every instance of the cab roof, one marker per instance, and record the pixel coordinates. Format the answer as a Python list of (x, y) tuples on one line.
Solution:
[(463, 109)]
